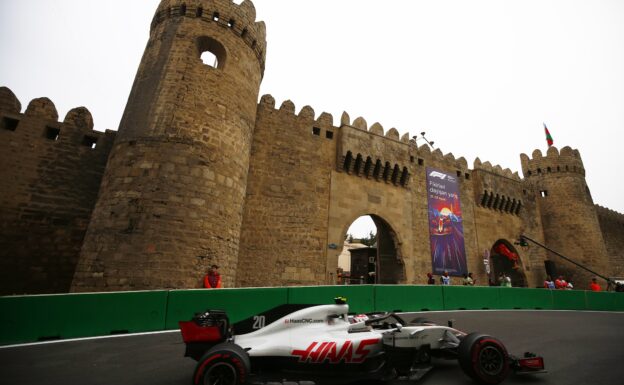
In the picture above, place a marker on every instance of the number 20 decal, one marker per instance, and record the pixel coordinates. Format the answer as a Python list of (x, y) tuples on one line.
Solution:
[(258, 322)]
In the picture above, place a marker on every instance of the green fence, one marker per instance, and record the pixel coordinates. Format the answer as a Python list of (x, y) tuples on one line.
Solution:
[(408, 298), (48, 317), (238, 303)]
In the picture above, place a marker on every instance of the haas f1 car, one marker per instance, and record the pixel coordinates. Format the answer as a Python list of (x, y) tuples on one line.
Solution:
[(325, 344)]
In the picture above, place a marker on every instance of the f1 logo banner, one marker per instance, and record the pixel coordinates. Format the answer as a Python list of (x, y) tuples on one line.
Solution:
[(446, 230)]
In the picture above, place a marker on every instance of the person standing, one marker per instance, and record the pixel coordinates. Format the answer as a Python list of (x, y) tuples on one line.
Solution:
[(445, 279), (430, 279), (505, 280), (594, 286), (468, 281), (560, 283), (549, 283), (212, 280)]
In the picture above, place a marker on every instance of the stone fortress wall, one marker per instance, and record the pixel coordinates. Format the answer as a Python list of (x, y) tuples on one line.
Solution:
[(200, 172), (612, 227), (50, 174)]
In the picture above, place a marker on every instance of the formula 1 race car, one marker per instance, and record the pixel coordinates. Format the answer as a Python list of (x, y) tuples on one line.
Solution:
[(325, 344)]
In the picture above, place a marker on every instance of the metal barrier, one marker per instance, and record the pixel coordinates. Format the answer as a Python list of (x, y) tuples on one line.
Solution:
[(46, 317)]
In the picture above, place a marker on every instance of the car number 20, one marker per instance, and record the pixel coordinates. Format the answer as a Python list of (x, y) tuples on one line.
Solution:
[(258, 322)]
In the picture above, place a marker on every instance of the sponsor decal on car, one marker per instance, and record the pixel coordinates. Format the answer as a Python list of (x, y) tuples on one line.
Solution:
[(335, 352), (303, 321)]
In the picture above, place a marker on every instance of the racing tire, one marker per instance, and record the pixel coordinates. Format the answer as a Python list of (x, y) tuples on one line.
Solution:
[(483, 358), (223, 364)]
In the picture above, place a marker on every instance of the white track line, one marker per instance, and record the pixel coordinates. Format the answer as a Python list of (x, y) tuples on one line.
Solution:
[(88, 338)]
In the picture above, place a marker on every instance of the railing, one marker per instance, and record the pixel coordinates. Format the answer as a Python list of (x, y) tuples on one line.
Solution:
[(48, 317)]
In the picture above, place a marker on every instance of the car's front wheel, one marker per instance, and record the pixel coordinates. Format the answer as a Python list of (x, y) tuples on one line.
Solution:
[(223, 364), (483, 358)]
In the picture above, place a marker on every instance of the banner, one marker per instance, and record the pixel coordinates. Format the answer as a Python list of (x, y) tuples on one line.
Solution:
[(446, 231)]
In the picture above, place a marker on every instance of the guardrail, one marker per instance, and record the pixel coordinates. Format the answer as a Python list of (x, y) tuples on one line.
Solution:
[(60, 316)]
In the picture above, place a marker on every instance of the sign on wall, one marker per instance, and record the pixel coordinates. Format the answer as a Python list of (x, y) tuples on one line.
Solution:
[(446, 230)]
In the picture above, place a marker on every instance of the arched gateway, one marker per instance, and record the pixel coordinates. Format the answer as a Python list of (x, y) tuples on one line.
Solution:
[(504, 258), (202, 173), (381, 263)]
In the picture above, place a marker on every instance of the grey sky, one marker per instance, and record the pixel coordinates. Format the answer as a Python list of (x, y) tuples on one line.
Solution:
[(479, 77)]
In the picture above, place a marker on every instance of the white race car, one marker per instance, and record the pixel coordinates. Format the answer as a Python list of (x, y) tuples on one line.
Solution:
[(325, 344)]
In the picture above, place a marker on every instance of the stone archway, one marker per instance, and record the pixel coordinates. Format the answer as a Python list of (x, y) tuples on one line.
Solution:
[(384, 259), (504, 258), (390, 266)]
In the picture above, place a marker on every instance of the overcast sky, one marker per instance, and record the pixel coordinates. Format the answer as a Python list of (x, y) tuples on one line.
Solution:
[(479, 77)]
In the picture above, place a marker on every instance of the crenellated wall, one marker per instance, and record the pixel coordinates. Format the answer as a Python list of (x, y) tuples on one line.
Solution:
[(569, 219), (286, 207), (172, 197), (50, 176), (612, 226), (308, 181), (200, 172)]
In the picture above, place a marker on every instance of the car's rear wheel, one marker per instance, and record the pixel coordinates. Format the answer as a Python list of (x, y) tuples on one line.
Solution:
[(483, 358), (223, 364)]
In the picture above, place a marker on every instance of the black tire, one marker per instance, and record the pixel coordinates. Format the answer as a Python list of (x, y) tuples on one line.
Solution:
[(483, 358), (223, 364)]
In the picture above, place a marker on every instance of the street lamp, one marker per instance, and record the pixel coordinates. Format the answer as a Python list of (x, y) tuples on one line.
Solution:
[(422, 134)]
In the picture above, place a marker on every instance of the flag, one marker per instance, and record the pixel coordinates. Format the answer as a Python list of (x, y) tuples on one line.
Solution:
[(549, 138)]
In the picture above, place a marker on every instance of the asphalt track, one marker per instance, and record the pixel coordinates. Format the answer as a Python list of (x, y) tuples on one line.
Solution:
[(578, 348)]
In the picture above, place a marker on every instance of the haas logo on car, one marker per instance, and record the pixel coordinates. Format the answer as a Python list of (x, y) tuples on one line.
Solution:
[(334, 352)]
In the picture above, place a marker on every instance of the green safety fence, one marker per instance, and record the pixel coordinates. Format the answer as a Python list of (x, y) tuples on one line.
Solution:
[(408, 298), (600, 301), (618, 303), (471, 297), (361, 298), (46, 317), (238, 303), (524, 298), (569, 299), (50, 317)]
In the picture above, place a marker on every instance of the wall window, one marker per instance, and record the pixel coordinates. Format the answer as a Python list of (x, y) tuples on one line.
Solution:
[(211, 52), (52, 133), (9, 123)]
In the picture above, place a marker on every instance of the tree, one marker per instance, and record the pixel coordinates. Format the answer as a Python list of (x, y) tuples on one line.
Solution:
[(370, 240)]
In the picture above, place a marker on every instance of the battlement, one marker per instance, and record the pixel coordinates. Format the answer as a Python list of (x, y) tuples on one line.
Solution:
[(326, 120), (424, 154), (321, 126), (497, 170), (498, 189), (360, 144), (565, 161), (39, 123), (240, 19), (608, 213), (9, 102)]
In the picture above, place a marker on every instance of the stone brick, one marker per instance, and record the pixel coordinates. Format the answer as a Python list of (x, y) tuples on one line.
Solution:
[(201, 173)]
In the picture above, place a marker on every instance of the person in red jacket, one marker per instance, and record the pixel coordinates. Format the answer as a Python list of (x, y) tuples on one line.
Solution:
[(212, 280), (560, 283), (594, 286)]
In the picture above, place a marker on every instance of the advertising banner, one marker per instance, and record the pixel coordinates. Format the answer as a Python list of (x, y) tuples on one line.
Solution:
[(446, 231)]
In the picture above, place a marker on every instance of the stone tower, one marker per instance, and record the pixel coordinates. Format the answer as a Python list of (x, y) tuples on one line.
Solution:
[(171, 199), (569, 219)]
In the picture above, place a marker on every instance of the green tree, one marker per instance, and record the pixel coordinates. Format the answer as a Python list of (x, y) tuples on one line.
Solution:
[(370, 239)]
